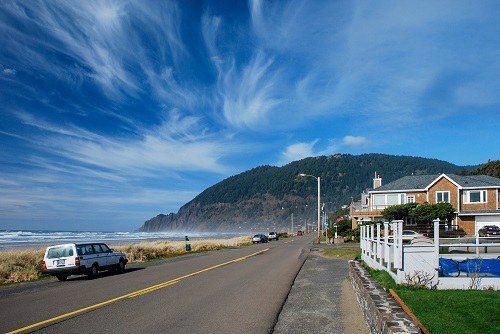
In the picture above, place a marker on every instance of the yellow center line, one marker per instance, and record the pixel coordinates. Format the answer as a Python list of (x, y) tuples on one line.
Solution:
[(134, 294)]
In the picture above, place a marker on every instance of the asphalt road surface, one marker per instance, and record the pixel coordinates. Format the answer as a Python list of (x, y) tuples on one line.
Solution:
[(238, 290)]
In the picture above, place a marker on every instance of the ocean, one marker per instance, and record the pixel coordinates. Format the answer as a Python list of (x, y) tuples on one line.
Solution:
[(11, 239)]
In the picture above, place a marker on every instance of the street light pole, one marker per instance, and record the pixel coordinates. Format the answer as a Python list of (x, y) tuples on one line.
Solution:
[(319, 201)]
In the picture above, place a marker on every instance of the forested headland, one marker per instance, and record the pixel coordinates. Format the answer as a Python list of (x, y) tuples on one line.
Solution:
[(267, 196)]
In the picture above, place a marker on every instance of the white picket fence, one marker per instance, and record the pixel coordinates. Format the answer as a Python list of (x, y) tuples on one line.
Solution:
[(382, 248)]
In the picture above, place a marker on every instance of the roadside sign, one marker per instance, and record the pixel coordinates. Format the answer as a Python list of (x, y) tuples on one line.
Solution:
[(326, 224)]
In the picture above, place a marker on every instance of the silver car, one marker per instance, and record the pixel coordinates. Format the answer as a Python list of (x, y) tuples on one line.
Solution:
[(260, 238)]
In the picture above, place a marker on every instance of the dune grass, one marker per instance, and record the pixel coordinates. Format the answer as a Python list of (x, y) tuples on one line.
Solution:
[(20, 265), (25, 265), (161, 249)]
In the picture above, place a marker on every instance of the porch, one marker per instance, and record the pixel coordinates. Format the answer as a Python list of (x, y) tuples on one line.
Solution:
[(422, 261)]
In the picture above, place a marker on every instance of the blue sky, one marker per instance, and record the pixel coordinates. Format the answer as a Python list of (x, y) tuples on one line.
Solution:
[(115, 111)]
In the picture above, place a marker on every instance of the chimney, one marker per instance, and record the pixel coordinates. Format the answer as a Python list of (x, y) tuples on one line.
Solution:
[(377, 181)]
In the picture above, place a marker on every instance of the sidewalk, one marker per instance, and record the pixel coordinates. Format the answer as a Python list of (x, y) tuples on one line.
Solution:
[(321, 300)]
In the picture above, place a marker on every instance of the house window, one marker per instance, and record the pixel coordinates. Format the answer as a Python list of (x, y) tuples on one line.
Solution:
[(383, 201), (410, 221), (442, 196), (475, 196), (410, 199), (392, 199), (379, 201)]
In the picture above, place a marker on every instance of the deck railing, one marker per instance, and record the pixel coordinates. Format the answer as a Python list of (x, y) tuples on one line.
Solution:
[(382, 248)]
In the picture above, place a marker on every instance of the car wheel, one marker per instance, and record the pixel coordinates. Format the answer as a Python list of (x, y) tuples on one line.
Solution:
[(120, 266), (93, 271), (62, 277)]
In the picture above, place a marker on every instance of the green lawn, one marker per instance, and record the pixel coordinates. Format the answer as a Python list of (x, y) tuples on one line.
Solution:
[(344, 253), (442, 311), (454, 311)]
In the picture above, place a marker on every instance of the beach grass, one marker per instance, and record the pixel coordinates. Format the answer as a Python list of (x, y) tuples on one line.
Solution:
[(20, 265), (23, 265), (161, 249)]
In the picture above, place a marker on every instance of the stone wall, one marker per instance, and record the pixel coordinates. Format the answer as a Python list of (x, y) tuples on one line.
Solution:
[(382, 313)]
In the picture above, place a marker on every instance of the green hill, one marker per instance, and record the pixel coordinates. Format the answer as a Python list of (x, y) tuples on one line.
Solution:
[(492, 168), (265, 197)]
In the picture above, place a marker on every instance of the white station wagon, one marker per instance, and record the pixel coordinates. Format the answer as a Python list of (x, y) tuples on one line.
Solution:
[(81, 259)]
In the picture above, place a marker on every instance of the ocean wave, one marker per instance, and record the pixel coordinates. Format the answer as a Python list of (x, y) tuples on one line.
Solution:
[(10, 239)]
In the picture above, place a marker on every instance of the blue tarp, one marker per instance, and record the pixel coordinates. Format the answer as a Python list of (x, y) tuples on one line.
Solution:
[(483, 267)]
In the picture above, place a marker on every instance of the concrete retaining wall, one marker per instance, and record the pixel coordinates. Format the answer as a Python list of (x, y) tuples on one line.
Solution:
[(382, 313)]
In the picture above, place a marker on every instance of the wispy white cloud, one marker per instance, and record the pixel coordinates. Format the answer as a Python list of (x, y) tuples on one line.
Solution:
[(106, 38), (249, 95), (303, 150), (354, 140), (9, 71), (129, 100), (109, 176), (177, 144), (297, 151), (99, 206), (378, 59)]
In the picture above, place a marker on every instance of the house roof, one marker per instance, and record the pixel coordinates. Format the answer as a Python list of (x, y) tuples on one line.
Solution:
[(479, 213), (411, 182), (421, 182), (476, 181)]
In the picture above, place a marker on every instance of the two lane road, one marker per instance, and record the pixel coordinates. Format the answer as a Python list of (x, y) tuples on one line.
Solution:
[(237, 290)]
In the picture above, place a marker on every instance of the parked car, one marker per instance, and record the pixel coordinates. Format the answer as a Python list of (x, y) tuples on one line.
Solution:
[(421, 240), (489, 230), (81, 259), (408, 235), (273, 235), (260, 238), (299, 233)]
